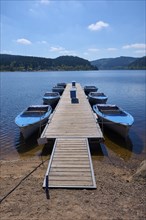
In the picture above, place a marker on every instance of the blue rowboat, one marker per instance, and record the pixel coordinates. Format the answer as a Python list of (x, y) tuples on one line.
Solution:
[(32, 118), (114, 117), (51, 98), (63, 84), (59, 89), (88, 89), (97, 98)]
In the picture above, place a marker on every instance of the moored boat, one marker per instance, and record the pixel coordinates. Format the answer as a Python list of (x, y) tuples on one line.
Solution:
[(32, 118), (51, 98), (59, 89), (114, 117), (97, 98), (88, 89), (63, 84)]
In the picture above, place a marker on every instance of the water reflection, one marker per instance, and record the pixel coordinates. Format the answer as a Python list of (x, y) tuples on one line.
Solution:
[(23, 145), (95, 147), (27, 147), (138, 146), (124, 148)]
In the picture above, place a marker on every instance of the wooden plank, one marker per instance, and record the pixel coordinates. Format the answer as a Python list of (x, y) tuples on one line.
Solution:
[(70, 165), (72, 172), (69, 159), (70, 184), (73, 177), (68, 154), (70, 169)]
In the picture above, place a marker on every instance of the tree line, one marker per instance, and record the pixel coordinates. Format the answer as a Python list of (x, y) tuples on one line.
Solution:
[(30, 63)]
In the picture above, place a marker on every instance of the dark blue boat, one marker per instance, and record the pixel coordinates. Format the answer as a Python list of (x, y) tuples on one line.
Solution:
[(63, 84), (51, 98), (88, 89), (59, 89), (97, 98)]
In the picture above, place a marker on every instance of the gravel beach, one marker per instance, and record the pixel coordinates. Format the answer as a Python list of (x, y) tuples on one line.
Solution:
[(119, 195)]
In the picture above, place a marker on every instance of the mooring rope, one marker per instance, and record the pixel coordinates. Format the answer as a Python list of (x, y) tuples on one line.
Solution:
[(22, 180)]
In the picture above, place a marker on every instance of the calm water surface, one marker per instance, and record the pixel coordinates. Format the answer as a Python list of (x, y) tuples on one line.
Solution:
[(20, 89)]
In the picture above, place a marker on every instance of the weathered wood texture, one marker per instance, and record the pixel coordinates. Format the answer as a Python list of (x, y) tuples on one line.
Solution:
[(73, 119), (70, 165)]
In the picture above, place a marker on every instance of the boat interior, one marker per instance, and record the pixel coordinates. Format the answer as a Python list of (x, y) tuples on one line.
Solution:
[(53, 94), (97, 94), (35, 111), (110, 110)]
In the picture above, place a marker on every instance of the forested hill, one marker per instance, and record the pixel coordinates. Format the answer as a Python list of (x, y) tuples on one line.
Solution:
[(120, 63), (29, 63), (138, 64)]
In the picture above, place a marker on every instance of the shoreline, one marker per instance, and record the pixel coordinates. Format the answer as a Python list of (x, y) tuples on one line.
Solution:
[(118, 196)]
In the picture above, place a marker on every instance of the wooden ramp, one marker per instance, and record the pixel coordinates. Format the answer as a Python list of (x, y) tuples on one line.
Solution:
[(70, 165)]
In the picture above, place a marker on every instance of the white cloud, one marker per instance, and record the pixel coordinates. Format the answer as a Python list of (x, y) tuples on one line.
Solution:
[(86, 53), (45, 2), (93, 50), (68, 52), (98, 26), (111, 49), (42, 42), (134, 46), (143, 52), (62, 50), (6, 51), (23, 41), (56, 49)]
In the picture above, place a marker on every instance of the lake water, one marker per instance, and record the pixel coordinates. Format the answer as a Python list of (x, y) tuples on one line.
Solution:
[(125, 88)]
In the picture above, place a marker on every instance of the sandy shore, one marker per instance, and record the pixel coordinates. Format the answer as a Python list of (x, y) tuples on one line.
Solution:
[(116, 196)]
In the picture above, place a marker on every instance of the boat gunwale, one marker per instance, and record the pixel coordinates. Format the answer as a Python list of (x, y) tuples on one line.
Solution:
[(125, 114), (40, 117)]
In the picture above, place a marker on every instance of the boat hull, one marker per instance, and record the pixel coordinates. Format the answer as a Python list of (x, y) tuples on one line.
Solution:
[(120, 129), (114, 118), (88, 89), (58, 89), (61, 84), (32, 118), (94, 100), (51, 101), (27, 131)]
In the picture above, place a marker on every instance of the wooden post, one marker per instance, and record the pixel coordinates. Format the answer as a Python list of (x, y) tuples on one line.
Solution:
[(47, 188)]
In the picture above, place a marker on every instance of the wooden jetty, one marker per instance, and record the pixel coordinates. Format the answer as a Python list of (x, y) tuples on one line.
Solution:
[(71, 124)]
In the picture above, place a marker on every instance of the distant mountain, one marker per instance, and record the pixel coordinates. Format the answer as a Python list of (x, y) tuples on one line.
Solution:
[(139, 63), (118, 63), (29, 63)]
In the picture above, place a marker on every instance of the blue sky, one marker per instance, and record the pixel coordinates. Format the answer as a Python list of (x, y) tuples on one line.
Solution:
[(86, 28)]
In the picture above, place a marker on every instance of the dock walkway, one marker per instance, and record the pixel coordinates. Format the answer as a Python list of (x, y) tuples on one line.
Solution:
[(70, 165)]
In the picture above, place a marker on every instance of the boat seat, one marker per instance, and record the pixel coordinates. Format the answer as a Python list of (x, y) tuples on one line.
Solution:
[(35, 111), (112, 111)]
